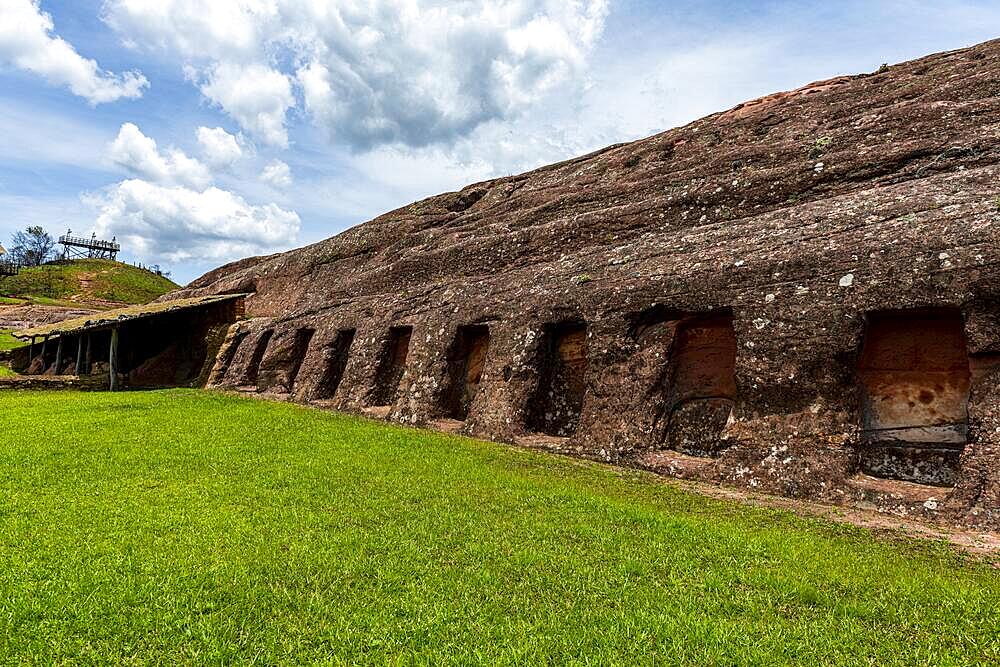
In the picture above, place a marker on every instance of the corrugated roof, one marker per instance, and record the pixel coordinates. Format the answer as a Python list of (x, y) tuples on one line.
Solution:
[(109, 318)]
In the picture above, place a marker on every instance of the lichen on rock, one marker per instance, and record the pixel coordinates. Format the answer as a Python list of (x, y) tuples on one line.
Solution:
[(798, 218)]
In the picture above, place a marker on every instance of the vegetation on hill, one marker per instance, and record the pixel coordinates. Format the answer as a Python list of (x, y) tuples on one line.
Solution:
[(161, 527), (84, 282), (7, 341)]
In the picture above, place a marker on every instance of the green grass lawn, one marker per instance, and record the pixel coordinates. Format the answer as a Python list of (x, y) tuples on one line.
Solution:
[(8, 342), (85, 279), (185, 526)]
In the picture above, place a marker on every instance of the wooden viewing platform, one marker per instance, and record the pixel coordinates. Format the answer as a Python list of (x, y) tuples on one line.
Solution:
[(92, 248)]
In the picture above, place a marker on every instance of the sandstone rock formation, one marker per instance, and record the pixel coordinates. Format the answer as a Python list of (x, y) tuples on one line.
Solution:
[(800, 296)]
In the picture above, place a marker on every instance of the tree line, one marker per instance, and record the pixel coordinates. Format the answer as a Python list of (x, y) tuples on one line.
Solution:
[(32, 247)]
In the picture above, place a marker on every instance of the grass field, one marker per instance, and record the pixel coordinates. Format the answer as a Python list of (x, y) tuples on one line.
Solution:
[(8, 342), (84, 281), (185, 526)]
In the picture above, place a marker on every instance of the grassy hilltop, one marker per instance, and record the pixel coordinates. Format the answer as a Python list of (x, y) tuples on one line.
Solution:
[(82, 283), (161, 527), (97, 284)]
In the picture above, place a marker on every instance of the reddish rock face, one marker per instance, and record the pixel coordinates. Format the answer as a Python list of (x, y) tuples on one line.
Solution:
[(334, 360), (702, 388), (466, 362), (915, 380), (391, 367), (754, 299), (561, 363)]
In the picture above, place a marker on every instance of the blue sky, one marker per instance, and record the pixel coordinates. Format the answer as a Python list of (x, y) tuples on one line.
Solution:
[(317, 116)]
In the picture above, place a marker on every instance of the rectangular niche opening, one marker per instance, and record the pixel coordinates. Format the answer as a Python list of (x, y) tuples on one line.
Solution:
[(555, 407), (700, 387), (253, 367), (466, 361), (392, 365), (335, 361), (915, 380), (300, 347), (227, 356)]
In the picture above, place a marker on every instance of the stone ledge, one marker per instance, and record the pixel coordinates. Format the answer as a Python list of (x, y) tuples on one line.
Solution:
[(53, 382)]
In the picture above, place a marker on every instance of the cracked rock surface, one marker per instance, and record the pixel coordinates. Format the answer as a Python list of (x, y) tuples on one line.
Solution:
[(791, 218)]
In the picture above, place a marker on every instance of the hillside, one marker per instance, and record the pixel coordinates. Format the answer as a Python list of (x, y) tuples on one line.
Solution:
[(59, 291), (694, 302), (95, 283)]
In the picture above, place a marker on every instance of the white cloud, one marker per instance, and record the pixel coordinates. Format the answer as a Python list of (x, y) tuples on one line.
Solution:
[(219, 148), (27, 43), (172, 214), (384, 72), (223, 29), (277, 173), (255, 95), (177, 224), (138, 153)]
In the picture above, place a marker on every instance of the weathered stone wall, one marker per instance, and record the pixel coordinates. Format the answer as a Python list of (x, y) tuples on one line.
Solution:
[(787, 223), (53, 382)]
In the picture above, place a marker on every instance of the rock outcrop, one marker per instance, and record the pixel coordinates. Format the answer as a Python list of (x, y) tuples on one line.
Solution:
[(28, 316), (800, 295)]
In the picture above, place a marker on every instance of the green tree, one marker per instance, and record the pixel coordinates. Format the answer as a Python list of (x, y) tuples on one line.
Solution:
[(32, 247)]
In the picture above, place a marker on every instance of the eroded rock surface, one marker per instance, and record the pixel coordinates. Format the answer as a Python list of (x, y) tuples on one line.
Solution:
[(26, 317), (793, 222)]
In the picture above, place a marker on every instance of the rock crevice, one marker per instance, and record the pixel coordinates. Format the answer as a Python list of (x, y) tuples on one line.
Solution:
[(761, 299)]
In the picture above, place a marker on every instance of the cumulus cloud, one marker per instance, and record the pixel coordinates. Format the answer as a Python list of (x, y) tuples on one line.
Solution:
[(27, 42), (255, 95), (139, 154), (219, 148), (171, 213), (277, 173), (177, 224), (385, 72)]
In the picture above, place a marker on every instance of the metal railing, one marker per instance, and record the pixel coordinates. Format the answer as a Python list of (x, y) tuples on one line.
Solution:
[(91, 243)]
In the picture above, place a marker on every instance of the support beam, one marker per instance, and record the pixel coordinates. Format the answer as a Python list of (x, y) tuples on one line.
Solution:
[(59, 356), (31, 350), (113, 360), (78, 371), (88, 359), (45, 344)]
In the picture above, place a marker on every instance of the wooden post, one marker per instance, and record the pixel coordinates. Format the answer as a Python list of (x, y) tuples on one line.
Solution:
[(78, 371), (88, 359), (59, 350), (113, 360), (31, 350), (45, 344)]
